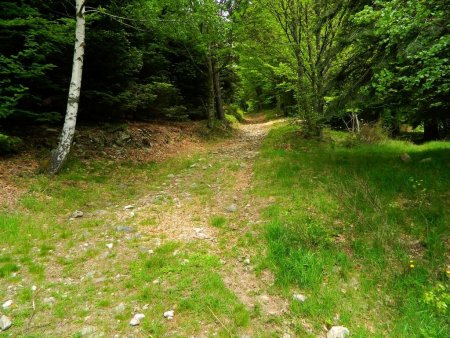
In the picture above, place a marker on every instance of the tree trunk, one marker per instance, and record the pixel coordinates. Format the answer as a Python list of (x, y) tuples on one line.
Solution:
[(59, 155), (431, 130), (217, 92), (210, 104)]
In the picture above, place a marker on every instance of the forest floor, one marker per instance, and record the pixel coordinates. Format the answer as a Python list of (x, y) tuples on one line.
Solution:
[(224, 232)]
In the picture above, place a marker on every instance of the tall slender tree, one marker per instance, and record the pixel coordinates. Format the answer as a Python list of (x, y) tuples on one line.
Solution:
[(59, 155)]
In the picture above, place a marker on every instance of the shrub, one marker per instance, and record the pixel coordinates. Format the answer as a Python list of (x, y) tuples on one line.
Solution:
[(9, 144), (372, 133)]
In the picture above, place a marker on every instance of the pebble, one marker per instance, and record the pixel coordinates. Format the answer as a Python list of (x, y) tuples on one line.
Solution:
[(338, 332), (247, 261), (49, 300), (7, 304), (109, 245), (34, 288), (299, 297), (5, 323), (232, 208), (136, 320), (120, 308), (128, 207), (77, 214), (156, 281), (88, 330), (124, 228), (169, 314), (286, 335)]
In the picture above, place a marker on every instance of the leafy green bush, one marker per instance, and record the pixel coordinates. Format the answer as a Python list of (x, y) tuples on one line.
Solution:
[(9, 144), (438, 298)]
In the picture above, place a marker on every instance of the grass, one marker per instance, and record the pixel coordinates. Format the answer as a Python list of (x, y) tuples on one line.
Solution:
[(359, 232), (362, 233)]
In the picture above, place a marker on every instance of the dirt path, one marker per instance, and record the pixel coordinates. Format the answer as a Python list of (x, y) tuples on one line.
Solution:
[(222, 179), (205, 207)]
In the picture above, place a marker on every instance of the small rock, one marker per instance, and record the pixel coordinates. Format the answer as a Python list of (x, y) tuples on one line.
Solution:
[(34, 288), (99, 280), (405, 157), (5, 323), (77, 214), (49, 300), (426, 160), (120, 308), (7, 304), (88, 330), (338, 332), (169, 314), (124, 228), (286, 335), (232, 208), (109, 245), (156, 281), (247, 261), (136, 320), (299, 297), (128, 207)]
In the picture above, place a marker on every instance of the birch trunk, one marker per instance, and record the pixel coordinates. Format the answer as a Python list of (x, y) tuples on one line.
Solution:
[(59, 155)]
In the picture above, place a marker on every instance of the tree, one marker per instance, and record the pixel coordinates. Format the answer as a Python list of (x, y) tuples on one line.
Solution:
[(59, 155)]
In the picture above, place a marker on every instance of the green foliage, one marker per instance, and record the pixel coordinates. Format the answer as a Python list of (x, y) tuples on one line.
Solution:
[(9, 144), (403, 52), (439, 299)]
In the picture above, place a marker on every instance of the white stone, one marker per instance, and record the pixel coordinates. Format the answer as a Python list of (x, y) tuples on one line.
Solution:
[(5, 323), (7, 304), (136, 320), (299, 297), (338, 332), (109, 245), (128, 207), (169, 314), (139, 316), (49, 300), (34, 288)]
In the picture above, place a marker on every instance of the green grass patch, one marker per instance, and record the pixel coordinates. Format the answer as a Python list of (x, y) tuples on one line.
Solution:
[(218, 221), (347, 223)]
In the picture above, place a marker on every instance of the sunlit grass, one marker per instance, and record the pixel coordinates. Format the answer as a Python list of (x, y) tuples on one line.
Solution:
[(346, 223)]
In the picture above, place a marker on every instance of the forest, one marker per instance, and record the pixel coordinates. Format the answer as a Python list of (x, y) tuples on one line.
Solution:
[(231, 168)]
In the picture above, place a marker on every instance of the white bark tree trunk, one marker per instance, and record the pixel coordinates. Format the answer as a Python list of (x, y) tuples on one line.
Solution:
[(59, 155)]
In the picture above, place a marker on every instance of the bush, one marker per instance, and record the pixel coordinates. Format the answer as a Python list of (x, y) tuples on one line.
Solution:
[(372, 133), (9, 144), (235, 111)]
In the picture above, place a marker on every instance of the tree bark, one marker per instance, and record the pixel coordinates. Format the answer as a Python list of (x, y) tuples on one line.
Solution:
[(217, 92), (59, 155), (431, 130), (210, 104)]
